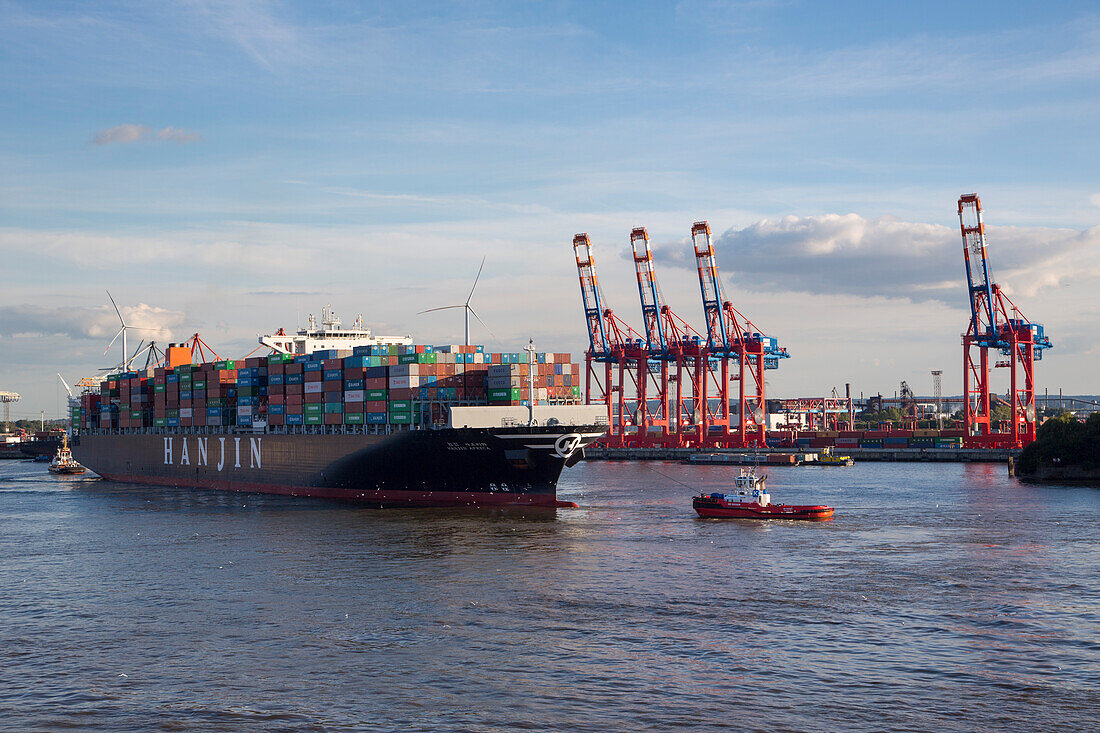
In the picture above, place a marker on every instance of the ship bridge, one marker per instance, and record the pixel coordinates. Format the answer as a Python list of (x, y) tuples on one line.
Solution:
[(328, 333)]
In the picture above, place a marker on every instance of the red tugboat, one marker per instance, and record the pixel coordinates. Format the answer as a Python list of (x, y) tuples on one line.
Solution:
[(753, 502)]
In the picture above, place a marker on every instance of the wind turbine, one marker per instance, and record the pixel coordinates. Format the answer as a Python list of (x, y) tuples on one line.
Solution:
[(122, 332), (466, 307)]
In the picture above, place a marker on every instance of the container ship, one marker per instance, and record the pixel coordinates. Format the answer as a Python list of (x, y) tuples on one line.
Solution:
[(339, 413)]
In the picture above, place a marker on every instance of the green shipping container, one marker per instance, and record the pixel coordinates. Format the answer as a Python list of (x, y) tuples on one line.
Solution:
[(226, 364), (375, 395), (313, 419), (407, 359), (159, 387), (334, 408), (314, 409), (504, 395), (198, 384), (160, 422), (400, 418), (135, 414), (400, 406), (353, 418)]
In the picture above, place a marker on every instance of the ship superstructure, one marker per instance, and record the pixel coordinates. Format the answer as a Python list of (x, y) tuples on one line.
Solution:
[(328, 333)]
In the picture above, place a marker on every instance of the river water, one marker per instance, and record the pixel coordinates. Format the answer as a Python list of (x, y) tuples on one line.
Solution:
[(943, 597)]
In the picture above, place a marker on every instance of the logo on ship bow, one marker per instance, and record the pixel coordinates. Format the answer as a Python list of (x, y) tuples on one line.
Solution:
[(566, 445)]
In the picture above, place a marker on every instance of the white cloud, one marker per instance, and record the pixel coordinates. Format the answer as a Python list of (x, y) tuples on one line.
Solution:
[(98, 322), (130, 133), (120, 134), (850, 254), (1095, 199), (251, 25), (176, 135)]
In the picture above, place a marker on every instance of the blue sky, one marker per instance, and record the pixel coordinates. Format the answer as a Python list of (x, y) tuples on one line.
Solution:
[(231, 165)]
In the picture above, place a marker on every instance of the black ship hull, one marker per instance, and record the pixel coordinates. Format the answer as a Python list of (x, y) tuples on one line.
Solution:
[(40, 447), (447, 467)]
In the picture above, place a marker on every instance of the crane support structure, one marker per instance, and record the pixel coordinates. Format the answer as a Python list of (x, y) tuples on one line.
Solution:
[(995, 323), (677, 359), (611, 342), (734, 338)]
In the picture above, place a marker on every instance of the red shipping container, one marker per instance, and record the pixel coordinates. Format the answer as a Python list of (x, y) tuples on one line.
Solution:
[(317, 376), (353, 407), (373, 406), (313, 398), (290, 389), (276, 368), (292, 368), (275, 399), (293, 399), (375, 383), (332, 364), (199, 420), (276, 420), (404, 393), (354, 373), (334, 418)]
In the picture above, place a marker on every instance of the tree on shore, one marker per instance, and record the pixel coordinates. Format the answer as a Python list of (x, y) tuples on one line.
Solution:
[(1065, 441)]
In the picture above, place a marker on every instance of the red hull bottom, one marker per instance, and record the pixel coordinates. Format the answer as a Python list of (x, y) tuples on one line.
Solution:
[(714, 509), (388, 498)]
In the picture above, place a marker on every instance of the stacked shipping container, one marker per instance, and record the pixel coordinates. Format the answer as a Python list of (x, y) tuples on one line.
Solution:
[(853, 439), (370, 385)]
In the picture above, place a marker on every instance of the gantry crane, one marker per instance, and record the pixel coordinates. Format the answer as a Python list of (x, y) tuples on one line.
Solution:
[(670, 340), (611, 342), (730, 335), (995, 323)]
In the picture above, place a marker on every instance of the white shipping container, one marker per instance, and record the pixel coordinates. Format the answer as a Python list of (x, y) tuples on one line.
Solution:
[(404, 382), (353, 395), (314, 387), (242, 410), (404, 370), (185, 411)]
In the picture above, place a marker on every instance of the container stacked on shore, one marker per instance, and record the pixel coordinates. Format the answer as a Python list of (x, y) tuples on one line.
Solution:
[(842, 440), (399, 385)]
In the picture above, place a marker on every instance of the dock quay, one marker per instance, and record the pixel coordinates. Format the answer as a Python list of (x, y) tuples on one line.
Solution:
[(809, 458)]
